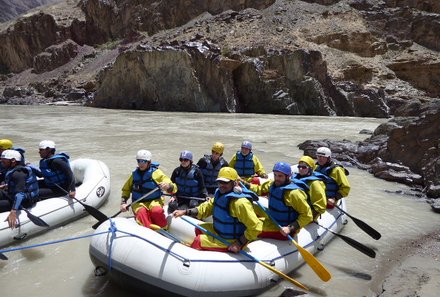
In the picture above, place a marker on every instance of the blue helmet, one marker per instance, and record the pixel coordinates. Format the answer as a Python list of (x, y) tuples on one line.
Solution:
[(186, 155), (283, 167), (247, 144)]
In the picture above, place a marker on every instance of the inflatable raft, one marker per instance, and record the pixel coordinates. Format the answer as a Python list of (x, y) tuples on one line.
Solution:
[(93, 178), (140, 258)]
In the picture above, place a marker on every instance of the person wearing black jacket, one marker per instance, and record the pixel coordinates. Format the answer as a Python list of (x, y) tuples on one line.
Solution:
[(190, 184), (55, 169)]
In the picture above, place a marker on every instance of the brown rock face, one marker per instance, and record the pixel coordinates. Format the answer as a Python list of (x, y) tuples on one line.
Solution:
[(423, 72), (29, 37), (196, 77), (166, 79), (116, 19), (425, 5)]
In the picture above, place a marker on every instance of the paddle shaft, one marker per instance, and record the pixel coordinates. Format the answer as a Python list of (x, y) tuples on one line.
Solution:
[(116, 214), (90, 209), (186, 197), (357, 245), (311, 260), (167, 234), (227, 243), (364, 226)]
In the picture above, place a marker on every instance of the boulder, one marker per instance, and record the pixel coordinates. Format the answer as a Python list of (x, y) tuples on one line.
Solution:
[(55, 56)]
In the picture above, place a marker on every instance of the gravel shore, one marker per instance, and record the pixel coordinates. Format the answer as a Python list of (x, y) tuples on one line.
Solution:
[(414, 269)]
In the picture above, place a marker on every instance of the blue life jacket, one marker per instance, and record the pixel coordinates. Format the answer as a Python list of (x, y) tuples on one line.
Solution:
[(186, 183), (224, 224), (310, 178), (143, 183), (245, 164), (282, 213), (331, 187), (54, 176), (31, 183), (210, 173)]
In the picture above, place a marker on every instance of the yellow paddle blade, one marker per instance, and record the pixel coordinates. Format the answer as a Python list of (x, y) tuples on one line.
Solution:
[(314, 263), (286, 277)]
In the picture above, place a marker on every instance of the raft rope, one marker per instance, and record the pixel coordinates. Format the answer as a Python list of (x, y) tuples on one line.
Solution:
[(113, 229), (50, 242)]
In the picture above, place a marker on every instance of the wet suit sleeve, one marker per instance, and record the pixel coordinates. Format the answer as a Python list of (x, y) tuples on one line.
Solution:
[(126, 188), (19, 178)]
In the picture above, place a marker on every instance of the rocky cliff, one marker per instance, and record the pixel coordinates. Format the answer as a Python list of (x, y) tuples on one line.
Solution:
[(348, 57)]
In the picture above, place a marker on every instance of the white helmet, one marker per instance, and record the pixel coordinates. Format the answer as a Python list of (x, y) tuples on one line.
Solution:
[(324, 151), (11, 154), (47, 144), (143, 155)]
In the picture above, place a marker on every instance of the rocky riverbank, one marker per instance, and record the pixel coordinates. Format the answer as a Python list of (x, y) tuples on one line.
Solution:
[(406, 149)]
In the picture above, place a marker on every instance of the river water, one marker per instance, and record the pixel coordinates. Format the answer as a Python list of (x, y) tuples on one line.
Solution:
[(114, 136)]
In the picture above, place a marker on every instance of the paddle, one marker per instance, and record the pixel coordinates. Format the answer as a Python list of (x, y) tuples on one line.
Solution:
[(357, 245), (273, 269), (311, 260), (90, 209), (34, 219), (186, 197), (116, 214), (167, 234), (364, 226)]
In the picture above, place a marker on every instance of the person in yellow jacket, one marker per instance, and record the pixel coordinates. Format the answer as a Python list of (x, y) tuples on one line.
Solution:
[(247, 164), (317, 198), (287, 203), (146, 177), (234, 218), (337, 185)]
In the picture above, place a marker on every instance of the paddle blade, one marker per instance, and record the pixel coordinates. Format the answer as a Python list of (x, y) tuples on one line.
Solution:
[(367, 228), (357, 245), (98, 223), (36, 220), (3, 257), (286, 277), (94, 212), (314, 263), (364, 226)]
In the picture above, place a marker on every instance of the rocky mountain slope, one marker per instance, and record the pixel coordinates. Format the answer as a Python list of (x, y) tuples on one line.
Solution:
[(9, 9), (347, 57), (371, 58)]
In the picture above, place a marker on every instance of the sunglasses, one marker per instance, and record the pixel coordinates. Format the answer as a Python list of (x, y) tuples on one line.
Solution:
[(142, 161), (183, 160), (222, 182), (302, 166)]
